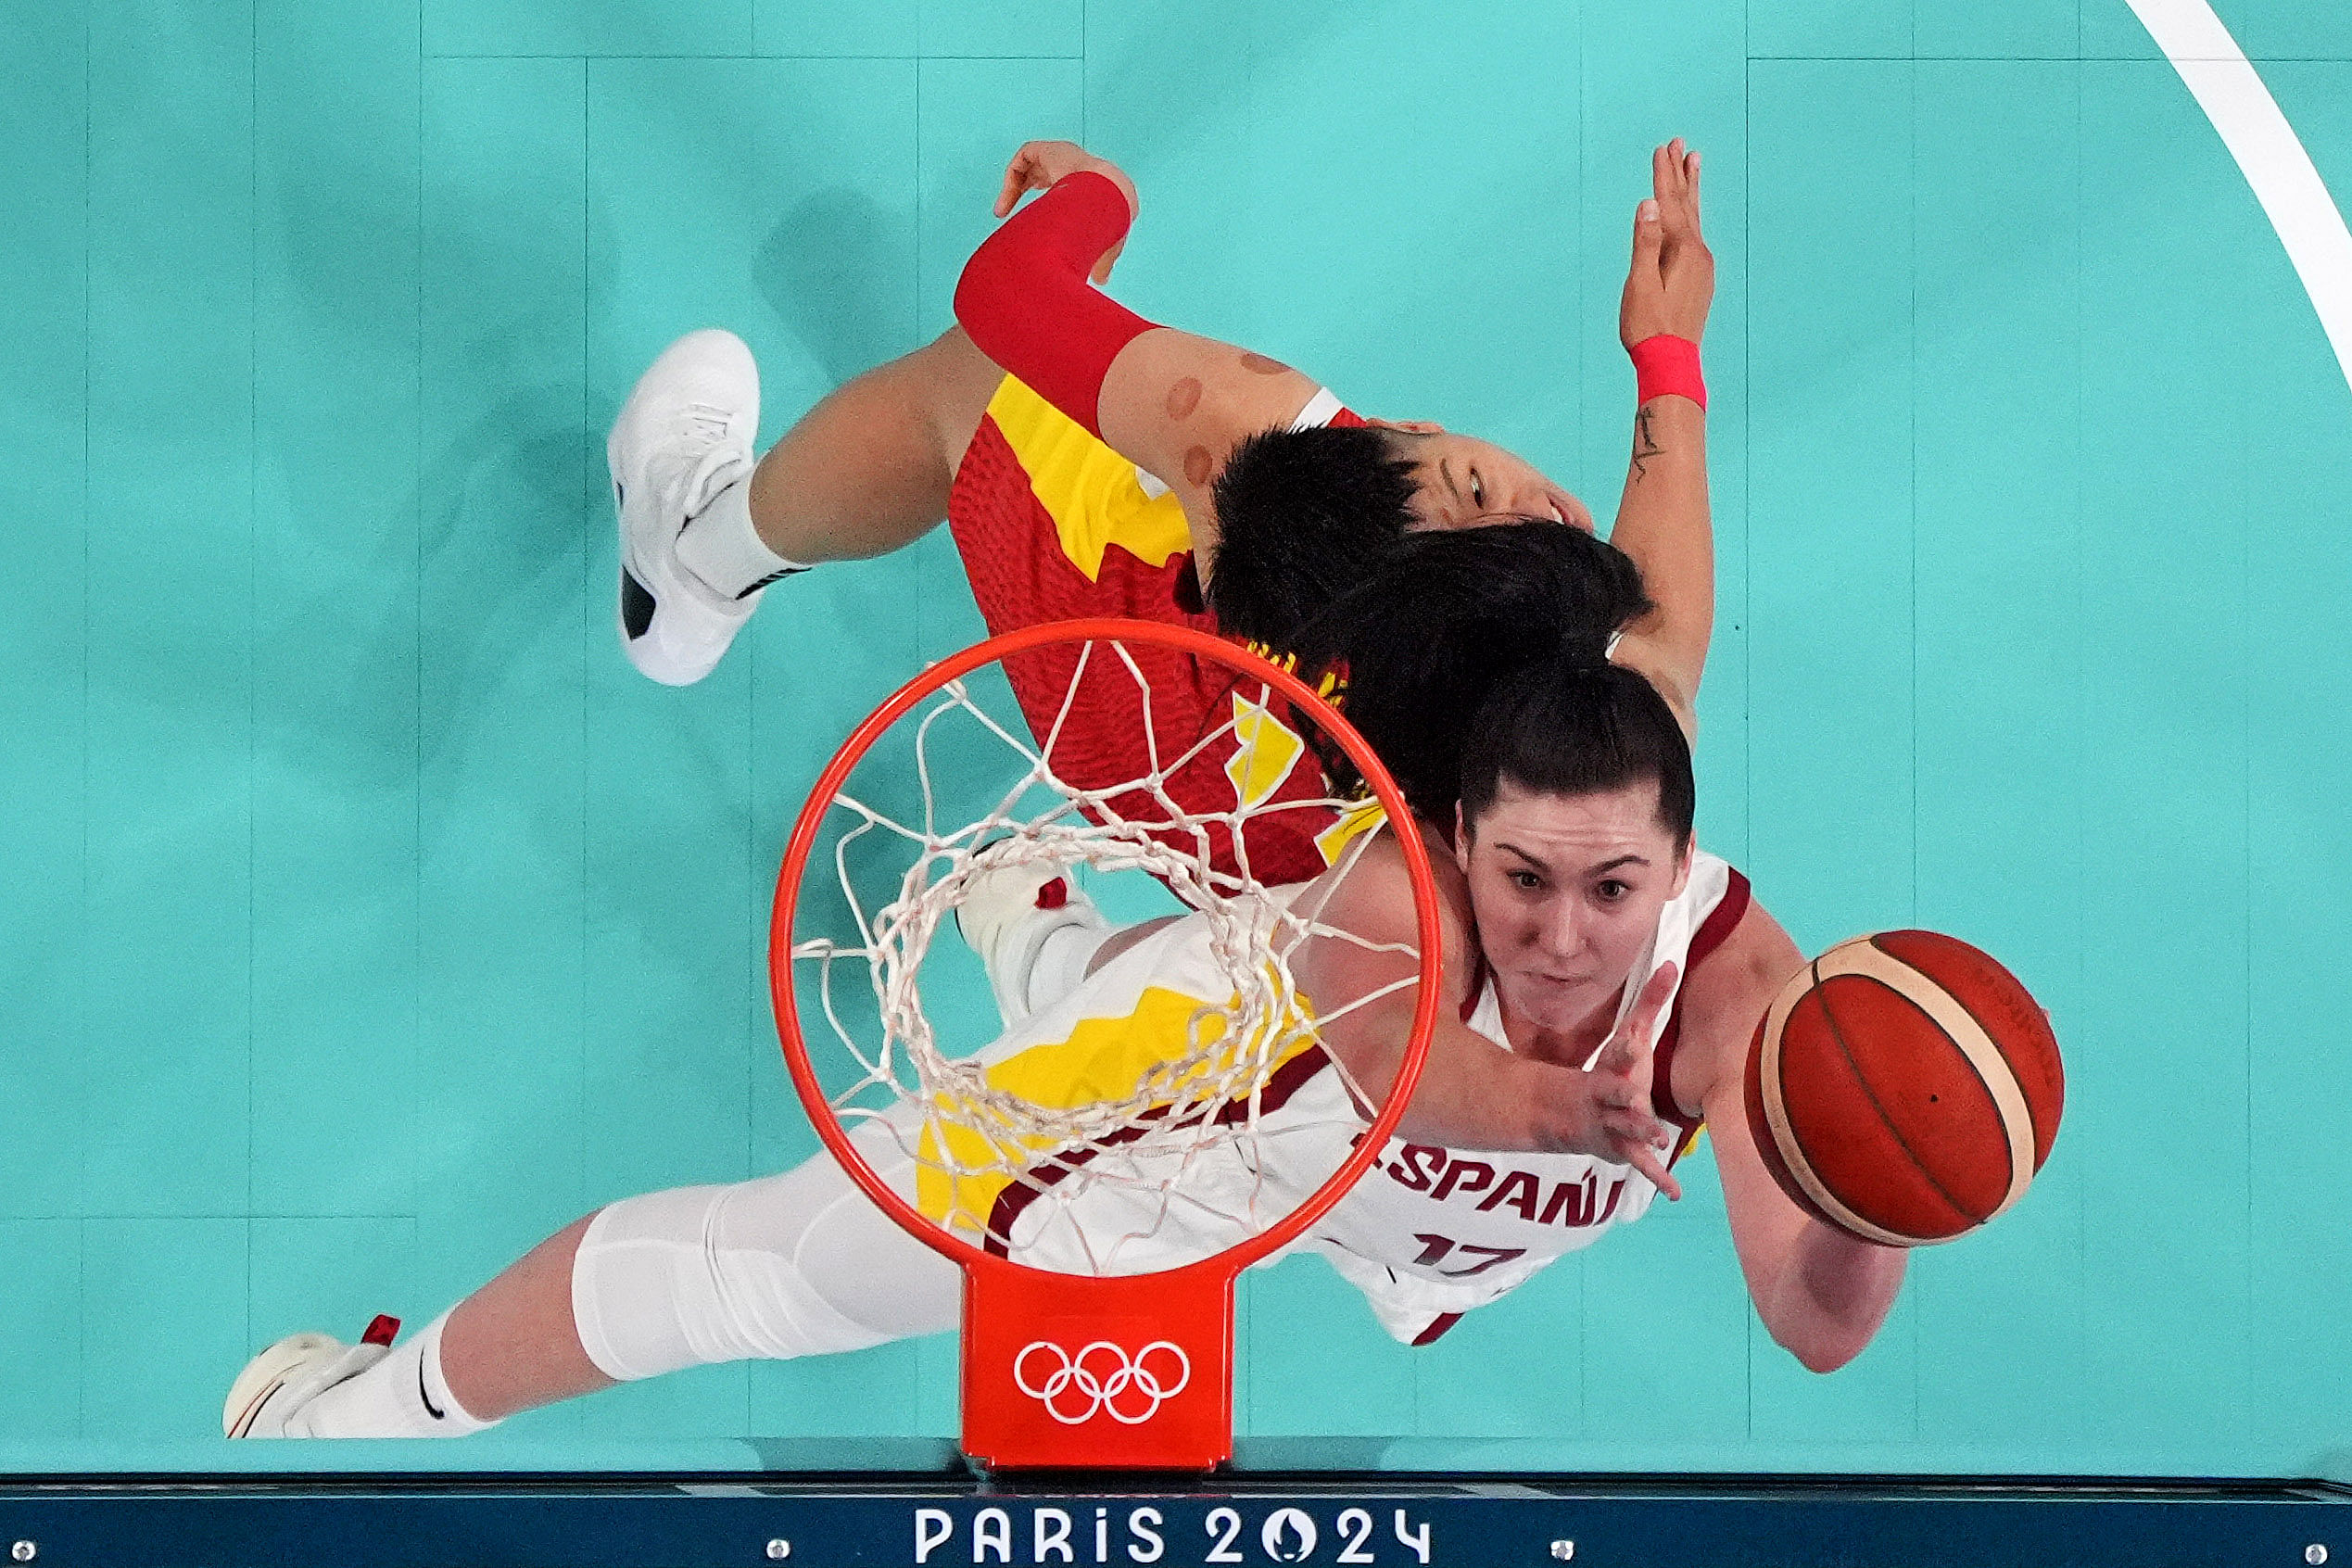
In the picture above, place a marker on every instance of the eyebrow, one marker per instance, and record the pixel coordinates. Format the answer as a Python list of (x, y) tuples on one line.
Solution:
[(1590, 871), (1448, 473)]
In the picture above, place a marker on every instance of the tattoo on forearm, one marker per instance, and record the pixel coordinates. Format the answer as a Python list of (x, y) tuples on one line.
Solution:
[(1644, 443)]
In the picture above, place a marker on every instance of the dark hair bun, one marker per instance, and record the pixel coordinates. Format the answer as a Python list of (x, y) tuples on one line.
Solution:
[(1442, 618)]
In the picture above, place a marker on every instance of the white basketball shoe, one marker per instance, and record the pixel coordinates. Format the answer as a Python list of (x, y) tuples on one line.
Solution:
[(686, 434), (1011, 916), (278, 1383)]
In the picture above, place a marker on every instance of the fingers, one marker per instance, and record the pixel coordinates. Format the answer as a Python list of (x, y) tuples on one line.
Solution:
[(1110, 259), (1650, 1165), (1673, 176), (1652, 1000), (1649, 234), (1016, 182)]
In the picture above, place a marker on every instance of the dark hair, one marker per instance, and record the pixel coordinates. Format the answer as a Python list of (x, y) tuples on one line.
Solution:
[(1571, 724), (1302, 515), (1442, 621)]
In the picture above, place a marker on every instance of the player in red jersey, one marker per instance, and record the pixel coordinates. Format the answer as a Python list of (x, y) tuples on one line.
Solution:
[(1090, 463)]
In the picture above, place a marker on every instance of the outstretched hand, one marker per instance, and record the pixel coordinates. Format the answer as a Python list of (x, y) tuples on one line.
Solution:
[(1038, 164), (1672, 282), (1618, 1081)]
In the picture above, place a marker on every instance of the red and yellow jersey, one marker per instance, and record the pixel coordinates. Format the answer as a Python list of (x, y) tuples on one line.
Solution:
[(1052, 525)]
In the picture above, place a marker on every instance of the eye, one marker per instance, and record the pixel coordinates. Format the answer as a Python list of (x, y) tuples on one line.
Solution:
[(1477, 490), (1612, 890), (1526, 881)]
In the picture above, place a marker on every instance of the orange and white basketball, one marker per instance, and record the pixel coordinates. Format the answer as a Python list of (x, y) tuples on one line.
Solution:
[(1904, 1087)]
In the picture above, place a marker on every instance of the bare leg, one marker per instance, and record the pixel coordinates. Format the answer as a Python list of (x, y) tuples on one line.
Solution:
[(868, 468), (511, 1345)]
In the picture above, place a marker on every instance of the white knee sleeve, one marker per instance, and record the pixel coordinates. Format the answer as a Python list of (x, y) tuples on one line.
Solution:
[(800, 1264)]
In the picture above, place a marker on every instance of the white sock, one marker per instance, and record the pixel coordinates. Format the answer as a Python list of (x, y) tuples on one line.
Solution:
[(722, 547), (402, 1396)]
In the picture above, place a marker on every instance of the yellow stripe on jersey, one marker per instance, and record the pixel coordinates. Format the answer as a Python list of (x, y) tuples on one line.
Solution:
[(960, 1170), (1265, 749), (1349, 826), (1089, 491)]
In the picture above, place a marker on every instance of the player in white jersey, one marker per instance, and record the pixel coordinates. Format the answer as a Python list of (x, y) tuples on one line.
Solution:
[(1432, 1232), (1475, 670), (1573, 864)]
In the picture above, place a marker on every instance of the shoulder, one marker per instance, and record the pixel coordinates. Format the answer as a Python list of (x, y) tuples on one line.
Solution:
[(1370, 896), (1725, 993), (1177, 404)]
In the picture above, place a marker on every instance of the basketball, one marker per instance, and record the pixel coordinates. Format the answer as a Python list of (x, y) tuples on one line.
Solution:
[(1904, 1087)]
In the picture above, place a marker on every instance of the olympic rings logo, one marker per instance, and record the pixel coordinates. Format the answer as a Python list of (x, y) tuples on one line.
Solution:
[(1102, 1379)]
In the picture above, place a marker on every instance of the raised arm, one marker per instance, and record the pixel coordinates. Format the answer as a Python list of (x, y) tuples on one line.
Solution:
[(1173, 403), (1663, 522), (1025, 296), (1821, 1292)]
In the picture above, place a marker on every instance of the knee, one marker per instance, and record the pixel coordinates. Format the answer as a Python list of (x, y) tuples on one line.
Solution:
[(657, 1288)]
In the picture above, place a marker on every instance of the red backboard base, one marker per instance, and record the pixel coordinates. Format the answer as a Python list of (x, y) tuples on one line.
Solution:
[(1077, 1373)]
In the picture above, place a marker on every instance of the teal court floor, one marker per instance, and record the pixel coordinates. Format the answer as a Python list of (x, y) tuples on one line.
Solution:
[(366, 917)]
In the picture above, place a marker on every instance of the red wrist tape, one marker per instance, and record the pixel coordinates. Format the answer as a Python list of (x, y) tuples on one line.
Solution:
[(1668, 366)]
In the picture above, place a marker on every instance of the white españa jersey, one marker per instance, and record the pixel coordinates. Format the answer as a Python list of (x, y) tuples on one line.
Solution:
[(1430, 1233), (1427, 1233)]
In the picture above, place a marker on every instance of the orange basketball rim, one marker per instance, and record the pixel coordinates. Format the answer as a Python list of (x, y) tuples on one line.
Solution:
[(1077, 1371)]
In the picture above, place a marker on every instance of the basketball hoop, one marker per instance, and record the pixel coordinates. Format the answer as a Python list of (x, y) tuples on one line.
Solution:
[(1100, 1232)]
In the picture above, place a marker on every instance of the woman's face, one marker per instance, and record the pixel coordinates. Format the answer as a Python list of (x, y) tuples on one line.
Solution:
[(1566, 890)]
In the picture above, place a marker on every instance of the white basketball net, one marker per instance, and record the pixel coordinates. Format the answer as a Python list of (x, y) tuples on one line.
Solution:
[(1183, 1162)]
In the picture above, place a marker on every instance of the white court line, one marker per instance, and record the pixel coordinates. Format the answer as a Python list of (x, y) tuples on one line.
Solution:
[(2227, 87)]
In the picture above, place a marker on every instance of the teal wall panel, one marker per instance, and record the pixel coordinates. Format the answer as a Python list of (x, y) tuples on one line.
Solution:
[(2282, 30), (972, 114), (667, 1005), (1001, 29), (330, 1273), (1169, 99), (508, 616), (549, 28), (799, 27), (867, 1393), (2000, 30), (136, 1275), (1422, 244), (1832, 29), (41, 1333), (2160, 1051), (1871, 1403), (334, 588), (2110, 31), (1665, 1325), (2000, 672), (1831, 595), (44, 365), (2298, 579), (1514, 1370), (1832, 591), (170, 669), (1317, 1361)]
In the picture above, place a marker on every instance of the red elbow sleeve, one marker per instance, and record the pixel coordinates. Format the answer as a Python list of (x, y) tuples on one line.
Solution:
[(1024, 300)]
